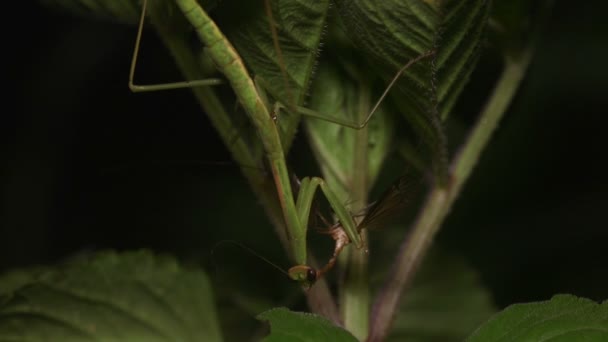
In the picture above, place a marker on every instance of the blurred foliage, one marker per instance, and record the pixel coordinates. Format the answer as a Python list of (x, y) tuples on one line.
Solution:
[(288, 325), (563, 318), (133, 296)]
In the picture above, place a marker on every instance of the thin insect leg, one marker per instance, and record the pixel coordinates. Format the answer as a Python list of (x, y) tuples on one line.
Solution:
[(163, 86), (324, 219), (321, 116), (342, 240), (377, 214), (392, 83)]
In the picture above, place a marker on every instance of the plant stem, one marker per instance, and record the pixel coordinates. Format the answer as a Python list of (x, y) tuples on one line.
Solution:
[(355, 290), (440, 199)]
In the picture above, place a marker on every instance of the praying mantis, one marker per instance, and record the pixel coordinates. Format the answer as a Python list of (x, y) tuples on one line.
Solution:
[(251, 97)]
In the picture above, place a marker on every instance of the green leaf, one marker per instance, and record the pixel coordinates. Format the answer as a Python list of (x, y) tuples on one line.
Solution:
[(563, 318), (285, 72), (337, 147), (298, 326), (134, 296), (393, 32), (14, 279), (445, 303)]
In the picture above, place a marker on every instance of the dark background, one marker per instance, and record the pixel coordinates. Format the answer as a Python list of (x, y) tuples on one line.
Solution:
[(88, 165)]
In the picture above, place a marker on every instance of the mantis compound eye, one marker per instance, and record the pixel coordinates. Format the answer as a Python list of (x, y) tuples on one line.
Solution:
[(311, 275)]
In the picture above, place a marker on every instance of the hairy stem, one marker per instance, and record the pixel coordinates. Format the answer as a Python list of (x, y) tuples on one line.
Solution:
[(440, 199)]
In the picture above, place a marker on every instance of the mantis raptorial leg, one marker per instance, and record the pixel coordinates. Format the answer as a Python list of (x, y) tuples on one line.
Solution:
[(345, 231)]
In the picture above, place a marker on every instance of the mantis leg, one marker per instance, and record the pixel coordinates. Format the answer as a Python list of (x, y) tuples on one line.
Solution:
[(344, 232), (357, 125), (161, 86), (304, 202)]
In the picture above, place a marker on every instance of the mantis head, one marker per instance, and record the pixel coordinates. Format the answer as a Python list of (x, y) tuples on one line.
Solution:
[(304, 275)]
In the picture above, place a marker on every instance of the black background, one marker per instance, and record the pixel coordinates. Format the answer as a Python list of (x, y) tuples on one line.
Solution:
[(89, 165)]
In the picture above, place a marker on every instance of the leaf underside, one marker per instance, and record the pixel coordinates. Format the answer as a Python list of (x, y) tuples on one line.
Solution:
[(562, 318), (391, 33), (287, 325), (134, 296), (284, 73)]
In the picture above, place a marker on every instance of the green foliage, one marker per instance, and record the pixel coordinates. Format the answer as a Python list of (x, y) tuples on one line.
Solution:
[(15, 279), (285, 72), (336, 147), (388, 33), (134, 296), (287, 325), (445, 303), (391, 33), (562, 318), (298, 27)]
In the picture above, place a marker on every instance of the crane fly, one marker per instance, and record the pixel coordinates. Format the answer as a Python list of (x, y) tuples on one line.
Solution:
[(377, 215)]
